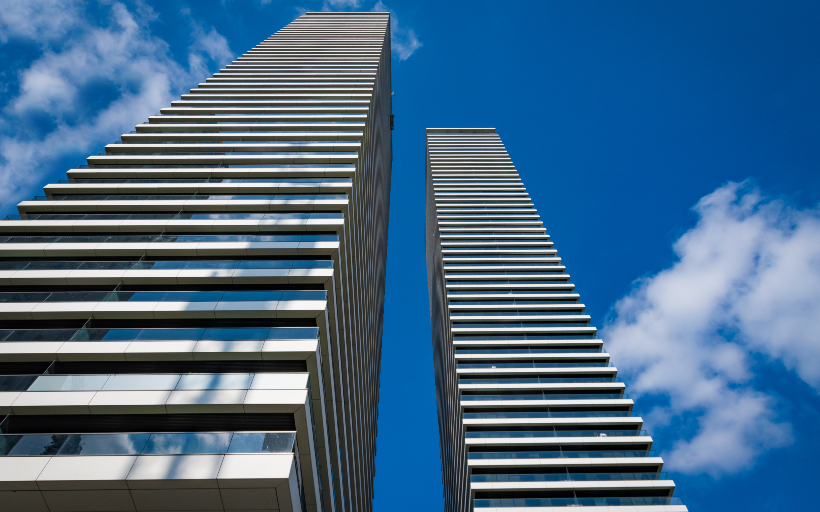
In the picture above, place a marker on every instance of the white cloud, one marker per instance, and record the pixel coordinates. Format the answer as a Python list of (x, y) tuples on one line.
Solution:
[(341, 4), (206, 43), (123, 57), (746, 285), (402, 40), (42, 21)]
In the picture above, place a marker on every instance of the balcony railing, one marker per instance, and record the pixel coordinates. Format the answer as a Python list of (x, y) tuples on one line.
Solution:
[(490, 366), (515, 434), (569, 477), (230, 296), (544, 396), (163, 265), (176, 216), (579, 502), (152, 382), (539, 380), (208, 180), (147, 239), (492, 351), (179, 334), (32, 445), (188, 197), (560, 454), (545, 415)]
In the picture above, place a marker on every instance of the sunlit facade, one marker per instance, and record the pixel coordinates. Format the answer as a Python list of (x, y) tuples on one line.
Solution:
[(193, 320)]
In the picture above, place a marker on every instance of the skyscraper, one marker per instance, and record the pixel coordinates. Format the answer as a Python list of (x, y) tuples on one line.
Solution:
[(531, 413), (193, 320)]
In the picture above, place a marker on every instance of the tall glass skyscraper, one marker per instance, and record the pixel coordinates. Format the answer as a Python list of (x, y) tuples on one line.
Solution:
[(531, 412), (193, 320)]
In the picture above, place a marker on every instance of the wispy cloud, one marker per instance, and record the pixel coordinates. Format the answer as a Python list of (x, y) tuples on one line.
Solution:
[(746, 287), (402, 40), (331, 5), (53, 115)]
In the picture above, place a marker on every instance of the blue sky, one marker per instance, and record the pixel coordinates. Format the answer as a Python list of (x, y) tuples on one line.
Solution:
[(620, 116)]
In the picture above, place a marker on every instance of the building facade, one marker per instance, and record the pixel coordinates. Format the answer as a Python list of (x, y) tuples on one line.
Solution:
[(531, 412), (193, 320)]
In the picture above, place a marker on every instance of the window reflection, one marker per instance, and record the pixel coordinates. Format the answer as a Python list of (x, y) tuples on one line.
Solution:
[(69, 383), (166, 444), (262, 442), (104, 444), (215, 381)]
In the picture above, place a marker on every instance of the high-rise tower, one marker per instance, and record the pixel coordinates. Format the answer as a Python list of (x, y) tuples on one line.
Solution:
[(193, 320), (531, 413)]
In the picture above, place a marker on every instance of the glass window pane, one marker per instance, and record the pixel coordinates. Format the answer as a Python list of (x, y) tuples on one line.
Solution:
[(41, 335), (215, 381), (7, 442), (38, 445), (238, 333), (161, 444), (16, 382), (170, 334), (141, 296), (104, 444), (293, 333), (266, 264), (76, 296), (105, 335), (313, 264), (262, 442), (193, 296), (280, 381), (166, 265), (251, 295), (306, 295), (53, 265), (69, 383), (211, 264), (126, 382)]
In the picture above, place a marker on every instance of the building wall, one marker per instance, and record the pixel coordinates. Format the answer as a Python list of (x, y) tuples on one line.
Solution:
[(531, 413), (209, 286)]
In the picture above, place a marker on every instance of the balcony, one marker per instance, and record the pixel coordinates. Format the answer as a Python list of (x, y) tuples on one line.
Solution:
[(184, 443), (582, 502)]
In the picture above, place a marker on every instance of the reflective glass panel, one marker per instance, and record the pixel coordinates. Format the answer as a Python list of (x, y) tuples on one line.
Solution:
[(280, 381), (260, 442), (293, 333), (159, 444), (246, 295), (215, 381), (306, 295), (38, 445), (105, 335), (170, 334), (239, 333), (192, 296), (104, 444), (126, 382), (69, 383), (7, 442), (16, 382)]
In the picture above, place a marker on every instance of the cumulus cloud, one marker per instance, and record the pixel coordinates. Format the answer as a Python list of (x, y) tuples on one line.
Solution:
[(402, 40), (42, 20), (52, 116), (745, 287)]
